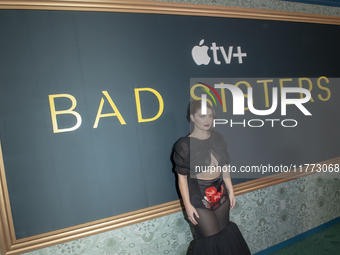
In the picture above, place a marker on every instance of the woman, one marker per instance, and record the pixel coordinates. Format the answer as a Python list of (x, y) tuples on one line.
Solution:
[(201, 162)]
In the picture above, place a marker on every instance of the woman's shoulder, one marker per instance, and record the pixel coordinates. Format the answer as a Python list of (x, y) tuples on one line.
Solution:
[(217, 135), (218, 138), (182, 147), (182, 141)]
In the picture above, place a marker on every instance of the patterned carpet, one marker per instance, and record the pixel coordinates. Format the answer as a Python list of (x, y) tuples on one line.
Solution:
[(324, 242)]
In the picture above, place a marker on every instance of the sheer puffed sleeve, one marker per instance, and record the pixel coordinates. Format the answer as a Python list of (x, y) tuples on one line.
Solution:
[(181, 156), (225, 151)]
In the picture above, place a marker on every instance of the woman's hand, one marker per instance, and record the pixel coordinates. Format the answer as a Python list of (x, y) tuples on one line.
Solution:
[(183, 187), (232, 200), (229, 185), (191, 211)]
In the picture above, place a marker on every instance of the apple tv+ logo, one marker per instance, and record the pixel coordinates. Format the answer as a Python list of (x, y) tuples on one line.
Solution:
[(200, 55)]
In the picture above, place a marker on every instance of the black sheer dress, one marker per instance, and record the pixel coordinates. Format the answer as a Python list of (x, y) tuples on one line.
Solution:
[(216, 235)]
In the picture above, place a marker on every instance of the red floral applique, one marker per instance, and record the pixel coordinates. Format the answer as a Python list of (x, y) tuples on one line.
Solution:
[(212, 195), (210, 191)]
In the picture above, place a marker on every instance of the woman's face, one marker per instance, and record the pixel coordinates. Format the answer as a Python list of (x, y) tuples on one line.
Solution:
[(202, 122)]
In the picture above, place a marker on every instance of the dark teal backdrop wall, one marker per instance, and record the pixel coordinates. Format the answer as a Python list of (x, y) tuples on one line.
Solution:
[(57, 180)]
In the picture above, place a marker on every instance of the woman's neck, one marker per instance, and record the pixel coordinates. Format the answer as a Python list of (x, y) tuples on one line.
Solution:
[(200, 134)]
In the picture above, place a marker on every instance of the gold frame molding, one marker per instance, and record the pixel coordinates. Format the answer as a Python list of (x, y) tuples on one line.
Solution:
[(143, 6), (9, 245)]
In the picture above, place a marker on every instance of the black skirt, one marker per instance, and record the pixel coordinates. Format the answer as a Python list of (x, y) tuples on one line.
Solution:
[(215, 234), (229, 241)]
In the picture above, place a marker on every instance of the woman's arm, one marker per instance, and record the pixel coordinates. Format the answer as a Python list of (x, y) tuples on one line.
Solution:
[(229, 185), (183, 187)]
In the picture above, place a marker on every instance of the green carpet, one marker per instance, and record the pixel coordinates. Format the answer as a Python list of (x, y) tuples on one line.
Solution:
[(325, 242)]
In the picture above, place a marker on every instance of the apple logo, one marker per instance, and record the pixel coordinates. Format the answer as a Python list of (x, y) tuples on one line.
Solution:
[(200, 55)]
